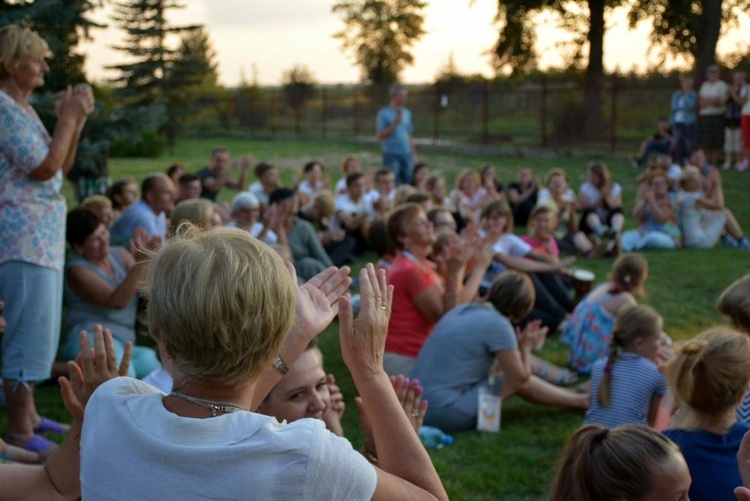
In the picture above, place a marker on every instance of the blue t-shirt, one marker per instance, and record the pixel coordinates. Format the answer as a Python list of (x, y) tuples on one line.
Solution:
[(138, 215), (712, 461), (457, 357), (398, 141), (635, 382)]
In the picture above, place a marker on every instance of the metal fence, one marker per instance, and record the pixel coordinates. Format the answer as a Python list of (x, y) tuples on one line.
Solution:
[(537, 113)]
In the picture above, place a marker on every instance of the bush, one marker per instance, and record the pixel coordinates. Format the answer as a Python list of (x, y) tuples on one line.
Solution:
[(150, 145)]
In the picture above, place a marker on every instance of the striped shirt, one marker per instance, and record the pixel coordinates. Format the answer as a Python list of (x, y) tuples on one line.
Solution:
[(743, 410), (635, 382)]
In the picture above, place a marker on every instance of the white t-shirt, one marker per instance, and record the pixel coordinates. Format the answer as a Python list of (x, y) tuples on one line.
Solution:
[(133, 448), (257, 189), (310, 190), (594, 194), (717, 89), (345, 204), (271, 237), (511, 245), (745, 92), (374, 195), (340, 185)]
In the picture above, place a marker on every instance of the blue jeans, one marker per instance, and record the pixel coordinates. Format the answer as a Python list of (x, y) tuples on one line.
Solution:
[(401, 164), (685, 136)]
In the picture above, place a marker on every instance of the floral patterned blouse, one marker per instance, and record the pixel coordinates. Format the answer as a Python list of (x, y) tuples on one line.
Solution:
[(32, 213)]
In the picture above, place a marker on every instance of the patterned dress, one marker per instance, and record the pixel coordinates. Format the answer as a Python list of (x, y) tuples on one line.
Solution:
[(588, 333)]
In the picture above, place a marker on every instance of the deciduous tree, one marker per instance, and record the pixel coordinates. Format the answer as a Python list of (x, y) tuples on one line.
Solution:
[(379, 34)]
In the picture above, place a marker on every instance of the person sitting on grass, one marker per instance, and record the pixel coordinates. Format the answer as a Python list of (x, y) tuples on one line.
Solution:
[(122, 193), (268, 181), (312, 184), (102, 285), (626, 463), (589, 331), (541, 222), (349, 165), (562, 200), (198, 211), (469, 196), (703, 220), (473, 339), (656, 212), (522, 195), (661, 142), (354, 211), (709, 375), (601, 205), (627, 386), (307, 392), (310, 258)]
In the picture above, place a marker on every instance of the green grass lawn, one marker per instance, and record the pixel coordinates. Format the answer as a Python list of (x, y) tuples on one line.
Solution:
[(518, 463)]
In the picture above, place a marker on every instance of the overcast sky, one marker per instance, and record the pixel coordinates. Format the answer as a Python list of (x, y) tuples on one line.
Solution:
[(274, 36)]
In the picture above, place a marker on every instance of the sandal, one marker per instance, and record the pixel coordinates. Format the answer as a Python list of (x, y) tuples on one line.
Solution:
[(48, 425), (39, 445)]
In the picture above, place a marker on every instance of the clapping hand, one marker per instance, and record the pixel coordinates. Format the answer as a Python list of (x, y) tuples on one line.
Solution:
[(334, 412), (532, 334), (363, 340), (409, 395), (743, 463), (92, 368), (317, 301)]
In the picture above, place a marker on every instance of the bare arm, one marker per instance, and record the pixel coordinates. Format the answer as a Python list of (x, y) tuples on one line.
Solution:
[(316, 304), (529, 266), (653, 410), (362, 346), (90, 287)]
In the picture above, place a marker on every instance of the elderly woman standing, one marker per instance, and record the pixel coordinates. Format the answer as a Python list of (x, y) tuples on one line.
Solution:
[(230, 321), (32, 225)]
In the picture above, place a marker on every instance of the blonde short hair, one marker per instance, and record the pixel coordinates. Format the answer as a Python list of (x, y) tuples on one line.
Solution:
[(97, 202), (16, 44), (197, 211), (689, 173), (223, 303), (710, 372)]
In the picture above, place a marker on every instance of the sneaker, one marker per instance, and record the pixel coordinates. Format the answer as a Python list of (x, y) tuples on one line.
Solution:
[(728, 241), (744, 165), (743, 243)]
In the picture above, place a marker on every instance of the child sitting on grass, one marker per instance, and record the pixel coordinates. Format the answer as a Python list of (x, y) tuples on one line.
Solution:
[(627, 387), (541, 223), (708, 376)]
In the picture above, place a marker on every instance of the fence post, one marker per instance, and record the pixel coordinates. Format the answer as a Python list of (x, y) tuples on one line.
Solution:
[(436, 116), (543, 112), (274, 113), (485, 113), (613, 118), (355, 111), (325, 106)]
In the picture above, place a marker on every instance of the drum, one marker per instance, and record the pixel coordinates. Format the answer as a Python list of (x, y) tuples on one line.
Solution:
[(583, 282)]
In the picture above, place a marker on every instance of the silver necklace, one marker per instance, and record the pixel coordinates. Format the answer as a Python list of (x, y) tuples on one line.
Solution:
[(210, 404)]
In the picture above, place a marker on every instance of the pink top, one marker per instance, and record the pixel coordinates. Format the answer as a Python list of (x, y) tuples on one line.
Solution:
[(548, 248)]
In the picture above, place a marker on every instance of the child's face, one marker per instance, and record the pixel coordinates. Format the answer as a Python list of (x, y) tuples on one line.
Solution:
[(672, 480), (495, 224), (648, 346), (543, 224), (302, 393), (314, 174)]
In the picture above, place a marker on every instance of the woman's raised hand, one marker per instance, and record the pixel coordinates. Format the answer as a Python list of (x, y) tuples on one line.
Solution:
[(363, 340), (74, 106), (92, 368)]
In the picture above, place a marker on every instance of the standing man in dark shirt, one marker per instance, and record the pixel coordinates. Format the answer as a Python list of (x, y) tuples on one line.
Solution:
[(216, 176)]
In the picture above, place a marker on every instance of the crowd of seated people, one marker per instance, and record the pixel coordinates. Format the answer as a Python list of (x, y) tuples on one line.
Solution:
[(469, 298)]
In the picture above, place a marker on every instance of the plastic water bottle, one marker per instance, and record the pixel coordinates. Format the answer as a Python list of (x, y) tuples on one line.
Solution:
[(434, 437)]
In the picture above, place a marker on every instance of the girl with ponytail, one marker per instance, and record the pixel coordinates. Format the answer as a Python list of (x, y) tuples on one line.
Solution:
[(626, 463), (709, 376), (589, 331), (627, 386)]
